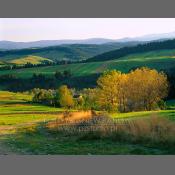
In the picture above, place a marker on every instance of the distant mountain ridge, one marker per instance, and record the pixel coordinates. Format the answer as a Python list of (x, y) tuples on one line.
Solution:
[(8, 45), (150, 37)]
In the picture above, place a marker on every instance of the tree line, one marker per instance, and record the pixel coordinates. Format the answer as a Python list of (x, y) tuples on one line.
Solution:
[(42, 64), (140, 89), (13, 82)]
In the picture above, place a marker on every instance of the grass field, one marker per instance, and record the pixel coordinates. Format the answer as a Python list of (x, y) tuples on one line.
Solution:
[(15, 109), (23, 132), (159, 60)]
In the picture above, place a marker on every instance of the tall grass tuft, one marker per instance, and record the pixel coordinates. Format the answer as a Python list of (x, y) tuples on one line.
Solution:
[(152, 130)]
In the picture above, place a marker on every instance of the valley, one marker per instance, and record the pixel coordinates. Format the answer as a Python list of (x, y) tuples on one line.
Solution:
[(57, 99)]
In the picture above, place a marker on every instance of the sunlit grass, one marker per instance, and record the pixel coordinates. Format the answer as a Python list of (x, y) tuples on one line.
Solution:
[(21, 102), (30, 59), (9, 97), (170, 114), (132, 114), (26, 108), (14, 119)]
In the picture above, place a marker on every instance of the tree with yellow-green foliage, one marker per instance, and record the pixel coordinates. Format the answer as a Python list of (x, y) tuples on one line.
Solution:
[(140, 89), (90, 97), (123, 92), (64, 97), (146, 87), (109, 89)]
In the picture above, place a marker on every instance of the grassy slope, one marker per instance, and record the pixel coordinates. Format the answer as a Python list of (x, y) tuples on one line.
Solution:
[(39, 142), (36, 140), (17, 112), (159, 60), (15, 108), (29, 59)]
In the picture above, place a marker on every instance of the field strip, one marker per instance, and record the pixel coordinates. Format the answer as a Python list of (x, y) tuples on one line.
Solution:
[(33, 112), (23, 125)]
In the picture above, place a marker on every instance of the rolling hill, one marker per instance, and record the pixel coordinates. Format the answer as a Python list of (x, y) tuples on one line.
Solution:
[(140, 48), (73, 52), (29, 59), (160, 60), (156, 55)]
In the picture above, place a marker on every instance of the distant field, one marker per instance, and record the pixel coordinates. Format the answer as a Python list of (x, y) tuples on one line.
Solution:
[(157, 59), (30, 59)]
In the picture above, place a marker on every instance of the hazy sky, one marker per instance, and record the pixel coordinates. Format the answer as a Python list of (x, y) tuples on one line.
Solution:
[(32, 29)]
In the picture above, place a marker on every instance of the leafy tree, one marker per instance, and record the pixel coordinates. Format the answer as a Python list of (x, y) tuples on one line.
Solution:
[(146, 87), (43, 96), (90, 99), (108, 86), (141, 89), (64, 97)]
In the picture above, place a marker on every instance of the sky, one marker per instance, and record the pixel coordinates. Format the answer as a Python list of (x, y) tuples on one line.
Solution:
[(33, 29)]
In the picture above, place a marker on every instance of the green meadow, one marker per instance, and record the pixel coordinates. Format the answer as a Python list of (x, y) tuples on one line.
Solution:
[(16, 108), (22, 127)]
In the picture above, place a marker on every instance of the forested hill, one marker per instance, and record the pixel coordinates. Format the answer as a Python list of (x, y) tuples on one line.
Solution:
[(74, 52), (140, 48)]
